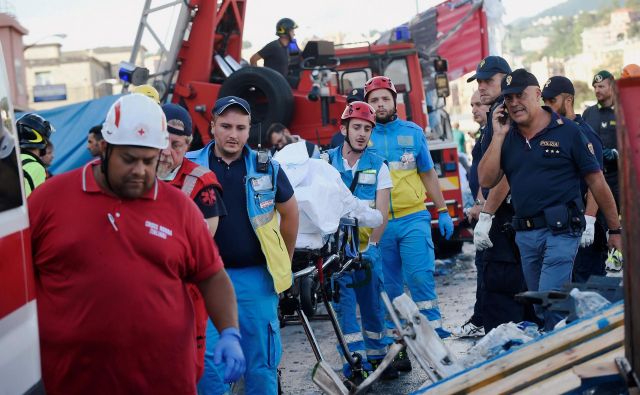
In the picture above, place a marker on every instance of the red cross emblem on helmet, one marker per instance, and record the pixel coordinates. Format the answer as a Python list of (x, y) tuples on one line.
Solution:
[(379, 82)]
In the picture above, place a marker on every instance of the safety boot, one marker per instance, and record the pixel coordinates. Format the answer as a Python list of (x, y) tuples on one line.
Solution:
[(390, 373), (401, 362)]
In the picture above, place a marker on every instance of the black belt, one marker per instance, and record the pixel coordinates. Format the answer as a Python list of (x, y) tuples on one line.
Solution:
[(530, 223)]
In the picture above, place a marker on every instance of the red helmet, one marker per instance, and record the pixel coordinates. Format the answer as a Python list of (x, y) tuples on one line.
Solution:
[(379, 82), (360, 110)]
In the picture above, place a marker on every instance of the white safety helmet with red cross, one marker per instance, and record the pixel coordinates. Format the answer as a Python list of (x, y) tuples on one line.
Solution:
[(136, 120)]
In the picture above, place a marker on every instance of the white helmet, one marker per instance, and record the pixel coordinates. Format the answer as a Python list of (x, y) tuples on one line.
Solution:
[(136, 120)]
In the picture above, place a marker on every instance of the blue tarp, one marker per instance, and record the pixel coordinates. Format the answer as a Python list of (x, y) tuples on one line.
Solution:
[(72, 125)]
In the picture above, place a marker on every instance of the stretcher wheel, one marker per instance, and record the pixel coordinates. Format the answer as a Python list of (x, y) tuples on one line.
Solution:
[(309, 289)]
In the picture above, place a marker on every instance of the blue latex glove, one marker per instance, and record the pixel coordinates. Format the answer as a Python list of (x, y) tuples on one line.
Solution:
[(445, 223), (610, 154), (228, 350)]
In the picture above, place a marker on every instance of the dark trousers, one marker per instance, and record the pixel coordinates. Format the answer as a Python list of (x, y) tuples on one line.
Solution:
[(590, 261), (502, 281), (476, 318)]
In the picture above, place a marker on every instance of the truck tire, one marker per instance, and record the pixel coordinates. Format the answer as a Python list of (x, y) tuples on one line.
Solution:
[(269, 95)]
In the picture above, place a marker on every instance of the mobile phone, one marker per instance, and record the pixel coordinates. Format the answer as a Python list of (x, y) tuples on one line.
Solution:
[(503, 118)]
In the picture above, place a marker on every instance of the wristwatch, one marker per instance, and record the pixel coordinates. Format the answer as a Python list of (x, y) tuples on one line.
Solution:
[(615, 231), (479, 202), (373, 243)]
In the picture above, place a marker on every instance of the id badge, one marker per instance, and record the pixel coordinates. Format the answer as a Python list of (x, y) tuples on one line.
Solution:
[(367, 178), (262, 183), (407, 157)]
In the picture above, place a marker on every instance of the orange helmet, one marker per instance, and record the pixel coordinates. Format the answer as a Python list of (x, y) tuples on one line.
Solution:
[(379, 82), (359, 110), (630, 70)]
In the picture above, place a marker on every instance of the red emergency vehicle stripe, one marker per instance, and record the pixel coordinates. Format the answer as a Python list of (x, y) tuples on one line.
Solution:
[(16, 272)]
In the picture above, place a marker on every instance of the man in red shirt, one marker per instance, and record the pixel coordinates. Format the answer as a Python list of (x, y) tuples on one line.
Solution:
[(201, 185), (113, 249)]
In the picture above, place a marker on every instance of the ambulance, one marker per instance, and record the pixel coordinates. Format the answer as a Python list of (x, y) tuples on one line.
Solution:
[(19, 346)]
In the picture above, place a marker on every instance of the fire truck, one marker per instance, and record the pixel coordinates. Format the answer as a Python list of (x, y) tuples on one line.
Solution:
[(202, 62), (19, 345)]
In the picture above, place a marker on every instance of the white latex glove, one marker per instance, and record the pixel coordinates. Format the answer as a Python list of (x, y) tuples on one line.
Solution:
[(589, 232), (481, 232)]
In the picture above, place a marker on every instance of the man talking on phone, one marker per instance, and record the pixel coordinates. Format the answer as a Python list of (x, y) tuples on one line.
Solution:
[(544, 156)]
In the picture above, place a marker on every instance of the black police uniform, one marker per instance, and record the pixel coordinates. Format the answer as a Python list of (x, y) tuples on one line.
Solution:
[(502, 270), (603, 121), (591, 260)]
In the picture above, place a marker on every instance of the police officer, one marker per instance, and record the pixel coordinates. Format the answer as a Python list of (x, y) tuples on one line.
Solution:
[(544, 156), (368, 177), (276, 53), (474, 326), (502, 276), (34, 133), (257, 251), (602, 118), (407, 247), (558, 93)]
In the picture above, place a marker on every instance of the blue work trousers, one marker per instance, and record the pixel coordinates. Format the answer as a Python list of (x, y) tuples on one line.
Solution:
[(547, 262), (260, 331), (408, 257), (363, 287)]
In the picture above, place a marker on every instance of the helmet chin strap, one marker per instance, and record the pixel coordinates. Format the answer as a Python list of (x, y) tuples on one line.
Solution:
[(354, 149)]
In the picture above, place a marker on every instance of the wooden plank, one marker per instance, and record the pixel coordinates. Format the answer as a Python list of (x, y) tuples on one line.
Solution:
[(533, 352), (551, 366), (572, 379)]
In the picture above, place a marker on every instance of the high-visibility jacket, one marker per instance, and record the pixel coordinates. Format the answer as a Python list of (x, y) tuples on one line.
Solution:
[(33, 171), (403, 145), (365, 185), (191, 178), (261, 207)]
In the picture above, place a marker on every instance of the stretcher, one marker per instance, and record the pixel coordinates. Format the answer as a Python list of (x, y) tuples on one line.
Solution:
[(315, 270)]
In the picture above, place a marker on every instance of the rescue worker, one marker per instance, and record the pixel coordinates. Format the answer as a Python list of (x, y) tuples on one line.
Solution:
[(256, 250), (112, 251), (502, 276), (544, 156), (367, 176), (406, 246), (149, 91), (93, 140), (276, 53), (558, 93), (33, 134), (602, 118), (474, 326), (202, 186)]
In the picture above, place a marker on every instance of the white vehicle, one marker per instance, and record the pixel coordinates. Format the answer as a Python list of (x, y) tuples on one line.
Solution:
[(19, 345)]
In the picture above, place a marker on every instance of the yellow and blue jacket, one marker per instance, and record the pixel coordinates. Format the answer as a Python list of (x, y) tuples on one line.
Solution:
[(403, 145)]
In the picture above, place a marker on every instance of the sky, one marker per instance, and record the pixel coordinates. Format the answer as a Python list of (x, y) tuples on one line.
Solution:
[(90, 24)]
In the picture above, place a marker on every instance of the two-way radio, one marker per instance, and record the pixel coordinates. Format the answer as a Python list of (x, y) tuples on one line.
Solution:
[(262, 165)]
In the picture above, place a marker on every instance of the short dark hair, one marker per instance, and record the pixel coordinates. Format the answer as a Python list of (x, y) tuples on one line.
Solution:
[(276, 127), (96, 131)]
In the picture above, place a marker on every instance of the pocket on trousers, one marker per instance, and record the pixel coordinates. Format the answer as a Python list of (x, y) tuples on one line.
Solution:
[(275, 344)]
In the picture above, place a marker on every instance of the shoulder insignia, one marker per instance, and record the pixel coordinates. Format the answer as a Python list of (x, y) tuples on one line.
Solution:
[(590, 147)]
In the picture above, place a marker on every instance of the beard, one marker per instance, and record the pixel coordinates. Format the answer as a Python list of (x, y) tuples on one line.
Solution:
[(389, 116)]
